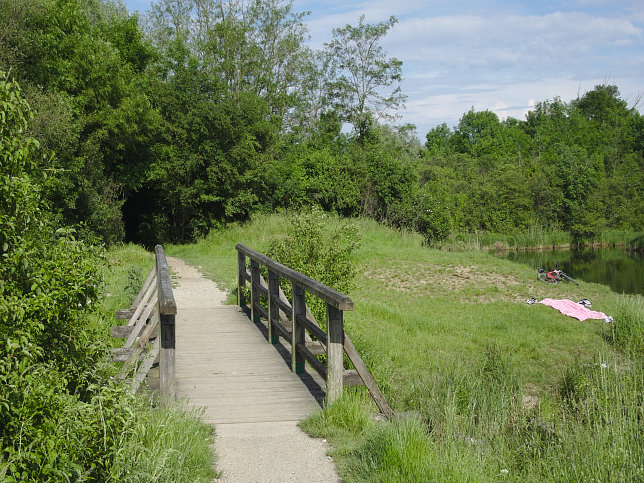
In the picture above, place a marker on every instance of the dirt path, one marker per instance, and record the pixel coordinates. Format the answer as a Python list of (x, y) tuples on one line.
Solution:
[(255, 451)]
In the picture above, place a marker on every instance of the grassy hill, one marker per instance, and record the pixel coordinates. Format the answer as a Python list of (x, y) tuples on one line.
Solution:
[(501, 389)]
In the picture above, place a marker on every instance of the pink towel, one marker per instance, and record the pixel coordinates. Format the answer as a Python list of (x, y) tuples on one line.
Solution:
[(573, 309)]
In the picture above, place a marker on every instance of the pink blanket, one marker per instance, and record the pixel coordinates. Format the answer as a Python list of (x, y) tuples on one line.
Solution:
[(573, 309)]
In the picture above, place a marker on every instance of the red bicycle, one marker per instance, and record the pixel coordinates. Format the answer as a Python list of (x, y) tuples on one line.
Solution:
[(554, 276)]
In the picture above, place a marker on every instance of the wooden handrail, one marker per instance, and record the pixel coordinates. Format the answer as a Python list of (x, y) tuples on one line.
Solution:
[(151, 316), (334, 341), (336, 299)]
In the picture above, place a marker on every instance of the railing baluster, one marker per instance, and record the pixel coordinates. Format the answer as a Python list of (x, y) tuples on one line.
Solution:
[(254, 291), (334, 349), (273, 307), (241, 278), (297, 336)]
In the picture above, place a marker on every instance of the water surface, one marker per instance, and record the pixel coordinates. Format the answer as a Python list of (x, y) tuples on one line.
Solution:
[(621, 270)]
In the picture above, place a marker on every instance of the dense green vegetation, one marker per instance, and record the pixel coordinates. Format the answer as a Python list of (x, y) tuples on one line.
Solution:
[(217, 110), (62, 417), (500, 389)]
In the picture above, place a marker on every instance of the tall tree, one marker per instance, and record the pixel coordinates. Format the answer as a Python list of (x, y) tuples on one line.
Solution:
[(366, 81)]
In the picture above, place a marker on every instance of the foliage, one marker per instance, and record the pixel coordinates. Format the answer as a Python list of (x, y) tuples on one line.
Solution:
[(61, 418), (49, 282), (321, 253), (169, 444), (362, 71)]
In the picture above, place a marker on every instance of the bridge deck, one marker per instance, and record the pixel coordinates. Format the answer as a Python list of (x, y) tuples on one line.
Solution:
[(225, 364)]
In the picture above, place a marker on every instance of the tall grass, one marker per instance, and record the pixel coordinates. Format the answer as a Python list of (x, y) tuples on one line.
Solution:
[(165, 445)]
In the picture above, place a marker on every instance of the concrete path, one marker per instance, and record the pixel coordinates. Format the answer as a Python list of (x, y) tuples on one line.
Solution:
[(225, 365)]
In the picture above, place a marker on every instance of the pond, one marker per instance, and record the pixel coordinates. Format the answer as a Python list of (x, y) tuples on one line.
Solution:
[(621, 270)]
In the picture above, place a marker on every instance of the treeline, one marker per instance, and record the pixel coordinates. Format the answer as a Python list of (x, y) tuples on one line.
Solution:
[(205, 111)]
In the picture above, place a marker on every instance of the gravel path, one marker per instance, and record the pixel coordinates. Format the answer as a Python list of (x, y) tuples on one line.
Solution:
[(271, 451)]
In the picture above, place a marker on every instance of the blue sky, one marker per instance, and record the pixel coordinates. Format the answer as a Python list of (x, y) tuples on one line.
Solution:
[(500, 55)]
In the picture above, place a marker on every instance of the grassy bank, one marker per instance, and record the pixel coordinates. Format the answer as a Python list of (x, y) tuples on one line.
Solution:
[(501, 389), (537, 238), (160, 444)]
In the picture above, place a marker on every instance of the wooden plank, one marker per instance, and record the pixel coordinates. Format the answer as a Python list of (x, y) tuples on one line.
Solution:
[(121, 355), (123, 331), (299, 309), (141, 322), (273, 308), (167, 336), (140, 344), (315, 348), (283, 330), (241, 279), (333, 297), (147, 364), (312, 360), (143, 304), (314, 329), (120, 331), (367, 378), (254, 291), (124, 314), (167, 359), (261, 313), (148, 281)]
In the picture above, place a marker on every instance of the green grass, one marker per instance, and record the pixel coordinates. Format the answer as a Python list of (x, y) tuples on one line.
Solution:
[(161, 444), (502, 389), (165, 445)]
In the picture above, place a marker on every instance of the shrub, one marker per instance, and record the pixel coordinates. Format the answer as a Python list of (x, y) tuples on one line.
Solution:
[(320, 252)]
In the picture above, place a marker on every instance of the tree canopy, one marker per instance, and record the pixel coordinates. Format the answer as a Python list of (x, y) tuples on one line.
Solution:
[(204, 111)]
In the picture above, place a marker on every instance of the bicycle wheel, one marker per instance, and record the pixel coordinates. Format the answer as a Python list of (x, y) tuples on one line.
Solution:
[(568, 278), (543, 276)]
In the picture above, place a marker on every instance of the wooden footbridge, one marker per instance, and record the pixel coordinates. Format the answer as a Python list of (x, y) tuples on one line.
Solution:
[(217, 356)]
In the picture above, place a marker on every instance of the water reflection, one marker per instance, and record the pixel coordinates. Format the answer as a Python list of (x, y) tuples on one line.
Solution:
[(621, 270)]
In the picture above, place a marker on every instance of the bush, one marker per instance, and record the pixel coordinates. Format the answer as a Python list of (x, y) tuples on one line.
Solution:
[(315, 250)]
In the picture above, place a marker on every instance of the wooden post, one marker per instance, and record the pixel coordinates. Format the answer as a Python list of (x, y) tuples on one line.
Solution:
[(167, 311), (334, 350), (241, 278), (273, 308), (297, 336), (167, 358), (254, 291)]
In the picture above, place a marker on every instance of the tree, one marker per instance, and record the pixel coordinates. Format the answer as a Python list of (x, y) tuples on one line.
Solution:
[(364, 74), (253, 47), (438, 140)]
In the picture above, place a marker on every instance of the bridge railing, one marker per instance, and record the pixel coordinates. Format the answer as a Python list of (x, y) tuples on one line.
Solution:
[(150, 330), (292, 320)]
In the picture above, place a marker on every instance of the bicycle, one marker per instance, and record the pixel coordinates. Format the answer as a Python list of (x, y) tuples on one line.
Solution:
[(554, 276)]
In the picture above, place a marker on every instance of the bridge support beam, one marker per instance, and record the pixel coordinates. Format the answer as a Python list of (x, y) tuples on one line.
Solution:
[(241, 279)]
